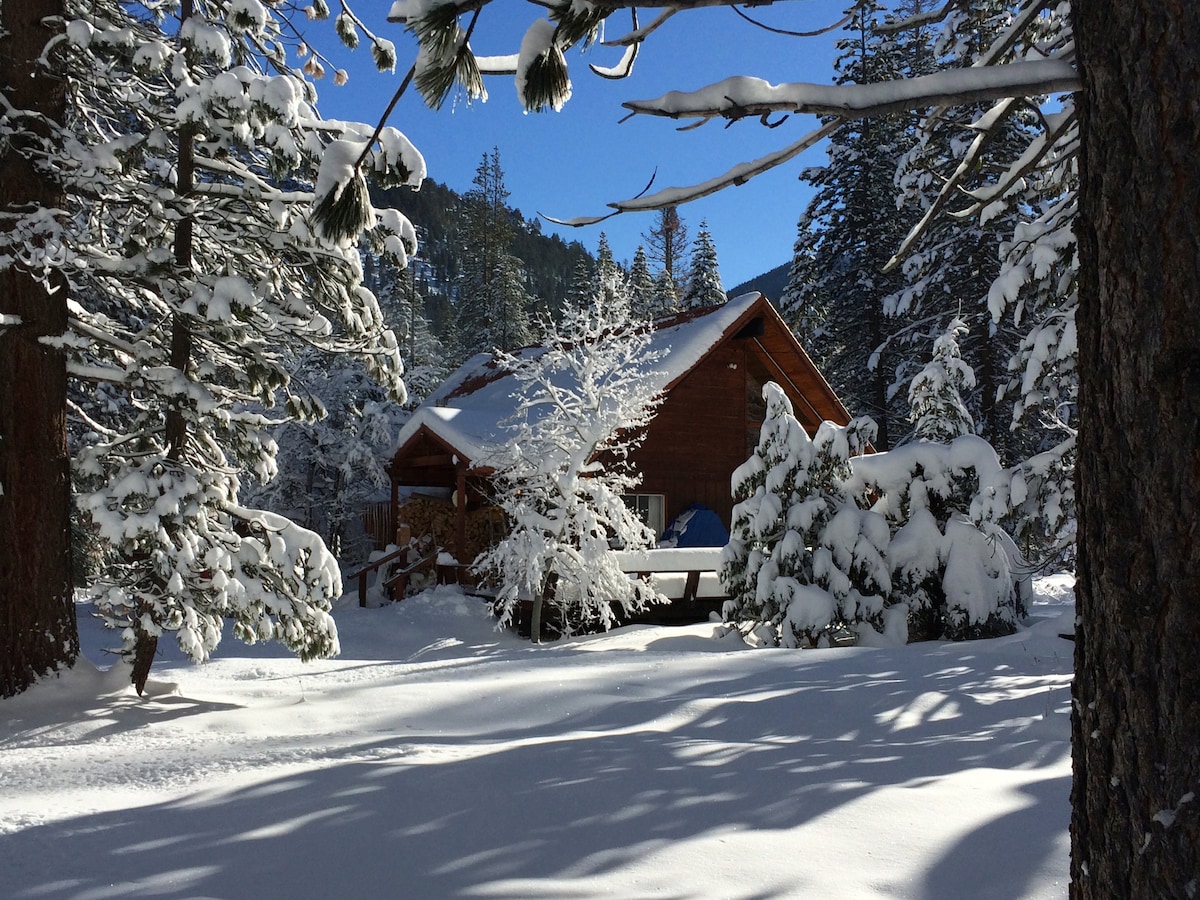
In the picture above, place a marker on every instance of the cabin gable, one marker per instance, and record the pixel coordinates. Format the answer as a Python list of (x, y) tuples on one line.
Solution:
[(709, 421), (706, 426)]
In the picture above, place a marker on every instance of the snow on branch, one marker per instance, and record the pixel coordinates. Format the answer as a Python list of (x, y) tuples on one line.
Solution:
[(742, 96)]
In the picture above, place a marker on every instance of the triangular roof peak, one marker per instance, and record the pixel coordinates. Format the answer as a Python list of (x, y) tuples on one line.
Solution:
[(468, 410)]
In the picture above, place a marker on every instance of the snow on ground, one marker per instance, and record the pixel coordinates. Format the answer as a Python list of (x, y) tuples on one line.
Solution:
[(437, 758)]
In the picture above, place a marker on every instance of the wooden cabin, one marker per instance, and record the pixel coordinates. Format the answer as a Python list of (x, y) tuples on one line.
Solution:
[(717, 361)]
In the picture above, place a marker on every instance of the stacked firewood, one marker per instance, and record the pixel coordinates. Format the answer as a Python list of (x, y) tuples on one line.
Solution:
[(431, 521)]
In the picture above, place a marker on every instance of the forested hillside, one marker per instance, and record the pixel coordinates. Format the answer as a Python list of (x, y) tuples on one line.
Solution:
[(441, 216)]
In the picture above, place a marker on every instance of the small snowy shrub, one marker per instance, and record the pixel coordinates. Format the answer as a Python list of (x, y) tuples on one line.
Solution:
[(951, 562)]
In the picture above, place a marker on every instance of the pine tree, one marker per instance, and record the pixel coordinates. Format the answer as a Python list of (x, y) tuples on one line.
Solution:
[(641, 286), (665, 299), (848, 233), (193, 272), (403, 303), (704, 276), (609, 281), (492, 302), (802, 304), (579, 293), (950, 270), (667, 245), (935, 395), (802, 558)]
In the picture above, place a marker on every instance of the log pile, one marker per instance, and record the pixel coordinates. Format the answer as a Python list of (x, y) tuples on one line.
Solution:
[(432, 521)]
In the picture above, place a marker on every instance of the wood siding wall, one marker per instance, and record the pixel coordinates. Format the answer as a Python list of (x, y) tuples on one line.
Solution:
[(699, 436)]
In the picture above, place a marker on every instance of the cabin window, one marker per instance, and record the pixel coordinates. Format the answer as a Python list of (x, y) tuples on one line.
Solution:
[(650, 508)]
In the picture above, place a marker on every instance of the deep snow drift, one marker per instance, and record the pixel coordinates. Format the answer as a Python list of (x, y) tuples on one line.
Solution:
[(438, 758)]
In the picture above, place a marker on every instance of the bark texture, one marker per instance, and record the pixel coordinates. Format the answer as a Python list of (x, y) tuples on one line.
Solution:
[(1135, 826), (37, 614)]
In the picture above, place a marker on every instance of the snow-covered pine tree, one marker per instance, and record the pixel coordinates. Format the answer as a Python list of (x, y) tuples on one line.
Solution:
[(665, 298), (802, 559), (196, 158), (1005, 260), (585, 397), (950, 269), (609, 282), (580, 291), (332, 466), (801, 304), (848, 233), (401, 298), (953, 567), (936, 392), (704, 274), (641, 286)]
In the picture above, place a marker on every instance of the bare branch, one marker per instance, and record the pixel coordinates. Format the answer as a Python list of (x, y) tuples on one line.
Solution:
[(800, 34), (999, 113), (739, 174), (640, 34)]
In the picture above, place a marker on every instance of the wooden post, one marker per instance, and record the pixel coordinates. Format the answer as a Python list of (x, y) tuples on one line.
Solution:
[(460, 515), (394, 513)]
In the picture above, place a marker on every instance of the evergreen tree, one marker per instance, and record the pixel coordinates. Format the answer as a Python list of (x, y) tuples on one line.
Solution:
[(704, 277), (801, 557), (403, 304), (330, 467), (665, 298), (579, 293), (802, 305), (194, 272), (935, 395), (609, 282), (492, 302), (641, 286), (949, 271), (667, 245), (848, 233)]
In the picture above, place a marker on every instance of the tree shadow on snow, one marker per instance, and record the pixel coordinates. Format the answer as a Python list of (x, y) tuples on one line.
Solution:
[(606, 792)]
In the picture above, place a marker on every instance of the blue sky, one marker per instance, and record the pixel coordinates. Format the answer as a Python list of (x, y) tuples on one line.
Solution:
[(573, 162)]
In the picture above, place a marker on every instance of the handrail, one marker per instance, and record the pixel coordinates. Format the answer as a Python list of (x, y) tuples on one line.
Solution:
[(412, 567), (382, 561), (366, 570)]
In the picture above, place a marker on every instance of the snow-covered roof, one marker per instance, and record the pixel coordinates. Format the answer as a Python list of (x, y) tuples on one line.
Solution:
[(469, 409)]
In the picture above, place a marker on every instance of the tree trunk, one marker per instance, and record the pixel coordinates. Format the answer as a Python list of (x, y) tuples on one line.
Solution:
[(1135, 826), (37, 614), (146, 643)]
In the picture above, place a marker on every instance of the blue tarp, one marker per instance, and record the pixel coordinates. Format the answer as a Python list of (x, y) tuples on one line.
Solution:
[(696, 526)]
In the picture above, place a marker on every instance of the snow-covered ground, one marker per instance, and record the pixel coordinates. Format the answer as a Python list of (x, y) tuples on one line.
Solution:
[(438, 758)]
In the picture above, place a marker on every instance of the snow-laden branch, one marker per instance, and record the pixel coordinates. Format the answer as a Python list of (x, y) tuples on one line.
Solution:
[(739, 174), (743, 96)]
